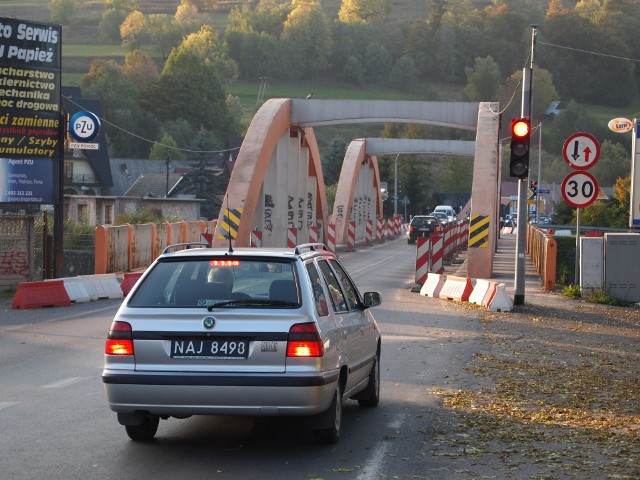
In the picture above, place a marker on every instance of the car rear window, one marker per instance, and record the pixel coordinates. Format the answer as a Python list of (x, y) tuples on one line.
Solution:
[(221, 282)]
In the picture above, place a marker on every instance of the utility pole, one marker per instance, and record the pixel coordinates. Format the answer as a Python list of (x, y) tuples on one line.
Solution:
[(395, 185), (521, 230)]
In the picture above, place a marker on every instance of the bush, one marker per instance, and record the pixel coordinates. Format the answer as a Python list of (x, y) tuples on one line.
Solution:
[(566, 261), (599, 295), (571, 291)]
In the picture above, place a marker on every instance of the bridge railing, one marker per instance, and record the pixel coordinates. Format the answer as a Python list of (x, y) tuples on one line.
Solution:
[(127, 248), (543, 250)]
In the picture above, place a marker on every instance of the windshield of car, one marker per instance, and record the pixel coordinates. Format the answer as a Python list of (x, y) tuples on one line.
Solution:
[(218, 283)]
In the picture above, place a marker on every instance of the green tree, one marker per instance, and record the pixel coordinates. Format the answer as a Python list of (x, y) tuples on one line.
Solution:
[(483, 80), (614, 163), (377, 63), (333, 159), (166, 149), (206, 45), (173, 95), (307, 34), (404, 74), (204, 180), (61, 11)]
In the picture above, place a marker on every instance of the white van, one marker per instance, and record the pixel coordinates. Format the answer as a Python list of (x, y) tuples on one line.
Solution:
[(448, 211)]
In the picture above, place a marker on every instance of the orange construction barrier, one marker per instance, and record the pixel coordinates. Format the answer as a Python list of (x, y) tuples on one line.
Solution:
[(41, 294), (128, 281)]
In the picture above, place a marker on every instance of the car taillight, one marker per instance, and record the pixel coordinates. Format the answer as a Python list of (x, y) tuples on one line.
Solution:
[(304, 341), (119, 340), (410, 229)]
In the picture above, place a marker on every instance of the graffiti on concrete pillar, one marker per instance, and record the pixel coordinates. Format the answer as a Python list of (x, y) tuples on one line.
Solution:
[(339, 220), (290, 214), (309, 208), (14, 264), (269, 205), (300, 212)]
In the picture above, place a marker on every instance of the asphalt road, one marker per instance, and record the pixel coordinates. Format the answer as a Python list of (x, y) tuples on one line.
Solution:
[(56, 424)]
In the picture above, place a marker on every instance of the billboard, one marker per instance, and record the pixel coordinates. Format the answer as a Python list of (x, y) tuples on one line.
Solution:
[(31, 123)]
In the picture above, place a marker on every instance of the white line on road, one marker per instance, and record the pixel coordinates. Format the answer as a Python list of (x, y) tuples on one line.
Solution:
[(7, 404), (373, 467), (65, 382)]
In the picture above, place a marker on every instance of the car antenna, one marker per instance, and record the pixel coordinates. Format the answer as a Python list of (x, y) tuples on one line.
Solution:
[(229, 226)]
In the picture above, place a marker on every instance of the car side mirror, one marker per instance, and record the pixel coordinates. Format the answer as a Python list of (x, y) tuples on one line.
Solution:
[(372, 299)]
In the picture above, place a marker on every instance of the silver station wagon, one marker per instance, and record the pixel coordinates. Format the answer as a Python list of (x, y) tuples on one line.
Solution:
[(252, 332)]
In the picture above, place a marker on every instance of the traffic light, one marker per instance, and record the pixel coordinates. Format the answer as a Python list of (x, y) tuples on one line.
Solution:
[(519, 159), (534, 187)]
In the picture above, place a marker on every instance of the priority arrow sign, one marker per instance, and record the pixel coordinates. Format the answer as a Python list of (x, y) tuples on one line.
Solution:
[(581, 151)]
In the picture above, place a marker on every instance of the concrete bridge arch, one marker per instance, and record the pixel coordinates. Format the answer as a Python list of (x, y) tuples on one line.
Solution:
[(277, 182)]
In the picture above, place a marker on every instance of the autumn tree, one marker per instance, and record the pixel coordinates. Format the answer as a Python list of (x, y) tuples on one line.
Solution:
[(133, 30), (362, 11)]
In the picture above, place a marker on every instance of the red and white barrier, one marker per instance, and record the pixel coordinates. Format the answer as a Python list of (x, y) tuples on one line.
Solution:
[(368, 232), (314, 234), (379, 229), (128, 281), (457, 289), (422, 260), (483, 291), (256, 239), (102, 286), (436, 254), (41, 294), (331, 237), (501, 301), (433, 285), (292, 237), (351, 236)]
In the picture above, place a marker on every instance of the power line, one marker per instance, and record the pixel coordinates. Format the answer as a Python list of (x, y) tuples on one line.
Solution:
[(590, 52), (151, 141)]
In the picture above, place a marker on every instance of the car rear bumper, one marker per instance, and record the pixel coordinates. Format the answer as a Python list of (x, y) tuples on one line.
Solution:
[(255, 395)]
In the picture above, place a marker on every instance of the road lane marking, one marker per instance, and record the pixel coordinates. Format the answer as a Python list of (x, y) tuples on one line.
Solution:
[(7, 404), (378, 455), (65, 382)]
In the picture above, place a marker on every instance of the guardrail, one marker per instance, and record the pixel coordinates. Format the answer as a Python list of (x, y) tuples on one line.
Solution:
[(543, 251)]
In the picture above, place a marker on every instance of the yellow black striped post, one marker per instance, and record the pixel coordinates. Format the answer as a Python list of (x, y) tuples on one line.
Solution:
[(230, 223), (479, 231)]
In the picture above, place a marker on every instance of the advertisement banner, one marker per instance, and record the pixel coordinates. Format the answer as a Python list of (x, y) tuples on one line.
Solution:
[(31, 124)]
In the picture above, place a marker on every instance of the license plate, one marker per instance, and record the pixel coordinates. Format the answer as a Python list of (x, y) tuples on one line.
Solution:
[(210, 348)]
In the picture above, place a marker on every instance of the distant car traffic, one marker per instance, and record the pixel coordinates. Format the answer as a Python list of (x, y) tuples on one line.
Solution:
[(422, 226), (442, 217), (247, 331), (448, 211)]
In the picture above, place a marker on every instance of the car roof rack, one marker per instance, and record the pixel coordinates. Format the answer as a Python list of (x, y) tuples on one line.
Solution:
[(187, 245), (310, 247)]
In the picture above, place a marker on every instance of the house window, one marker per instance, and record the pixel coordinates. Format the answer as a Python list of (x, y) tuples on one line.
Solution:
[(68, 171), (83, 213)]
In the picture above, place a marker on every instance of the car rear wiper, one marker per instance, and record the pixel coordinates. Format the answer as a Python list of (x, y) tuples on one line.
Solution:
[(252, 301)]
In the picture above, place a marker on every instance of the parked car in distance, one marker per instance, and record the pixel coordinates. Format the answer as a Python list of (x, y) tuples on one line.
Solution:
[(422, 226), (246, 331)]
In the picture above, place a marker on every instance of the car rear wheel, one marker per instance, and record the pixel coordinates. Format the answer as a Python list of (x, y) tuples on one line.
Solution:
[(145, 431), (371, 395), (332, 434)]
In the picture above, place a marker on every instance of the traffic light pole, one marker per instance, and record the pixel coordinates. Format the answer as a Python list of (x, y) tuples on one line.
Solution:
[(521, 229)]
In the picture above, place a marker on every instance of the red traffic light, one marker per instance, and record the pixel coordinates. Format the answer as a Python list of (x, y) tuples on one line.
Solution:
[(520, 127)]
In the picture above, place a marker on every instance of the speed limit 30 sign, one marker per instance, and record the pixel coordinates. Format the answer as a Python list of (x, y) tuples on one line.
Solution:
[(580, 189)]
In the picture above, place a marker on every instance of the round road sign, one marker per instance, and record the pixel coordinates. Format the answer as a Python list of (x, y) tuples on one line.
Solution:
[(84, 126), (580, 189), (581, 151)]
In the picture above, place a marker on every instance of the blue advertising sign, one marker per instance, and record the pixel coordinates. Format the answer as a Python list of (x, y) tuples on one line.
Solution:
[(26, 180)]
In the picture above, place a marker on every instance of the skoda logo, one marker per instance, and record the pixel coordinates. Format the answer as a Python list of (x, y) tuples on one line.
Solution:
[(209, 322)]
